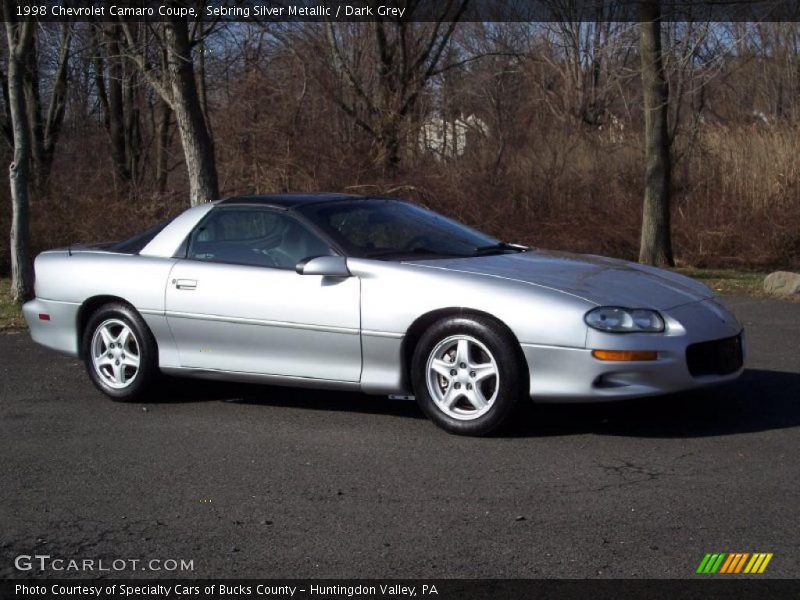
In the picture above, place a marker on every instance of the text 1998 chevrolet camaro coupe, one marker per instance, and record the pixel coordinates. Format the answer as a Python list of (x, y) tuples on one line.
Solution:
[(380, 296)]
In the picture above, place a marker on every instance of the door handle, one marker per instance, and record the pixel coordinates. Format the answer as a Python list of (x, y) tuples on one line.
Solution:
[(185, 284)]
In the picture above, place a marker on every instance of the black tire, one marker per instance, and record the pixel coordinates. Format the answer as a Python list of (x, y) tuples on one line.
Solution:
[(509, 383), (143, 342)]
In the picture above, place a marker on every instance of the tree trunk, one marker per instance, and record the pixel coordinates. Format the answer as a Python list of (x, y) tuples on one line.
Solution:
[(19, 38), (195, 138), (133, 136), (8, 133), (202, 86), (109, 96), (390, 140), (163, 117), (116, 107), (56, 111), (33, 112), (656, 241)]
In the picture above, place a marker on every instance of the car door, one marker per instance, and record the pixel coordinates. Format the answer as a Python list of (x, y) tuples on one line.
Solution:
[(236, 303)]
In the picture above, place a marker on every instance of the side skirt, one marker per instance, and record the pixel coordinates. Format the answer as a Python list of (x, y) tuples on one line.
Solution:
[(286, 380)]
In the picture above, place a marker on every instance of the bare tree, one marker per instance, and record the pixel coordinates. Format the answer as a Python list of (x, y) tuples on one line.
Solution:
[(19, 37), (656, 240), (177, 86), (380, 93), (111, 97), (45, 125), (587, 59)]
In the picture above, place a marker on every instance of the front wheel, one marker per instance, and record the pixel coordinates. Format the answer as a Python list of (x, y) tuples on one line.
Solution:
[(467, 376), (120, 352)]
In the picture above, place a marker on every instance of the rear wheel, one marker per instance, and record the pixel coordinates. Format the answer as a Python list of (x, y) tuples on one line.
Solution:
[(467, 375), (119, 352)]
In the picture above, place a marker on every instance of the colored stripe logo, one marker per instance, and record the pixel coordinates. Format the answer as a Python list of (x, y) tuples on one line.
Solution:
[(734, 562)]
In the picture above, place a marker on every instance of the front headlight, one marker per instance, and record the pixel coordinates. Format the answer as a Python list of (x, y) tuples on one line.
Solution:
[(624, 320)]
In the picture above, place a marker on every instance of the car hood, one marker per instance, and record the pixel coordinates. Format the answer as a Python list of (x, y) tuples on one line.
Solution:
[(603, 281)]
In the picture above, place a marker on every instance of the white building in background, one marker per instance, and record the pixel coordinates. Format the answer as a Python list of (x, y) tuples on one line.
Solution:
[(449, 138)]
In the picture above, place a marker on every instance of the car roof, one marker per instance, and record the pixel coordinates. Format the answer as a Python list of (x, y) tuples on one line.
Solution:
[(289, 201)]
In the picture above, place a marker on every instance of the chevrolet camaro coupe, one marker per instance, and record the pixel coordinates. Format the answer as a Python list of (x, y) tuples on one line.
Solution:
[(379, 296)]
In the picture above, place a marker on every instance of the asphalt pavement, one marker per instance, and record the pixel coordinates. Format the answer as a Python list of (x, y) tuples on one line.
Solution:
[(249, 481)]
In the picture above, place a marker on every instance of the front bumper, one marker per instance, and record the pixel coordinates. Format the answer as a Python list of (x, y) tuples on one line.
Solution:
[(560, 374)]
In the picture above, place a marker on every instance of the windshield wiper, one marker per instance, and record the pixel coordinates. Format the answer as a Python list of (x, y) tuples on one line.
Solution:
[(499, 246)]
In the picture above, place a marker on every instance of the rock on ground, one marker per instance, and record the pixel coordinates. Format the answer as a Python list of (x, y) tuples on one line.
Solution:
[(782, 283)]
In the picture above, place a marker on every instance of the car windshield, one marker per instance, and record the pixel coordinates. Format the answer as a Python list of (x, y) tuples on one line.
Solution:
[(382, 228)]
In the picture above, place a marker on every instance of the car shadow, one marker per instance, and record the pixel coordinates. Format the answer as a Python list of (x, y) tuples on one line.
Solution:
[(760, 400), (179, 390), (176, 390), (332, 401)]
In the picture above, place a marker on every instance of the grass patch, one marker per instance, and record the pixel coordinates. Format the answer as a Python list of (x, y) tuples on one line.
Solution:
[(729, 281), (10, 314)]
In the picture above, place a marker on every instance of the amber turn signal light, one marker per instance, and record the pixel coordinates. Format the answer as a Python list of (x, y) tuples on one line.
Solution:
[(624, 355)]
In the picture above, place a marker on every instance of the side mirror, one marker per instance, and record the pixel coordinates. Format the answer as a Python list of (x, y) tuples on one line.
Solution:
[(327, 266)]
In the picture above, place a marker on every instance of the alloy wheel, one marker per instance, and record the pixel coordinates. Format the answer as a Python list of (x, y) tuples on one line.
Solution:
[(115, 353), (463, 378)]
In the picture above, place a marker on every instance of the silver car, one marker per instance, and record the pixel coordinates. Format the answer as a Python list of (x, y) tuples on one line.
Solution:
[(379, 296)]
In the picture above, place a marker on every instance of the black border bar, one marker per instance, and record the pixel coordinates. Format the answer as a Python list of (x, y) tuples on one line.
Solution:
[(282, 11), (701, 588)]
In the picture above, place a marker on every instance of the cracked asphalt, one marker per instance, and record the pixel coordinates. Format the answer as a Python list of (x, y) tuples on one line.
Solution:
[(268, 482)]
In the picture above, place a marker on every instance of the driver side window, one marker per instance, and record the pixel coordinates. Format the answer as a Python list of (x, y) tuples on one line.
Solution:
[(253, 236)]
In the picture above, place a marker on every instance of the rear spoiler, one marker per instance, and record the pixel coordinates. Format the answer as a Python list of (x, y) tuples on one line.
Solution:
[(107, 246)]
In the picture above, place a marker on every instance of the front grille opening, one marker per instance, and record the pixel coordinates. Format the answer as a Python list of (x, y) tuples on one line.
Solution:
[(718, 357)]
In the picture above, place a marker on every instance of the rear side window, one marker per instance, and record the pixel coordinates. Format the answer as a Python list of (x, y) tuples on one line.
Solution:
[(137, 243), (239, 226), (257, 237)]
